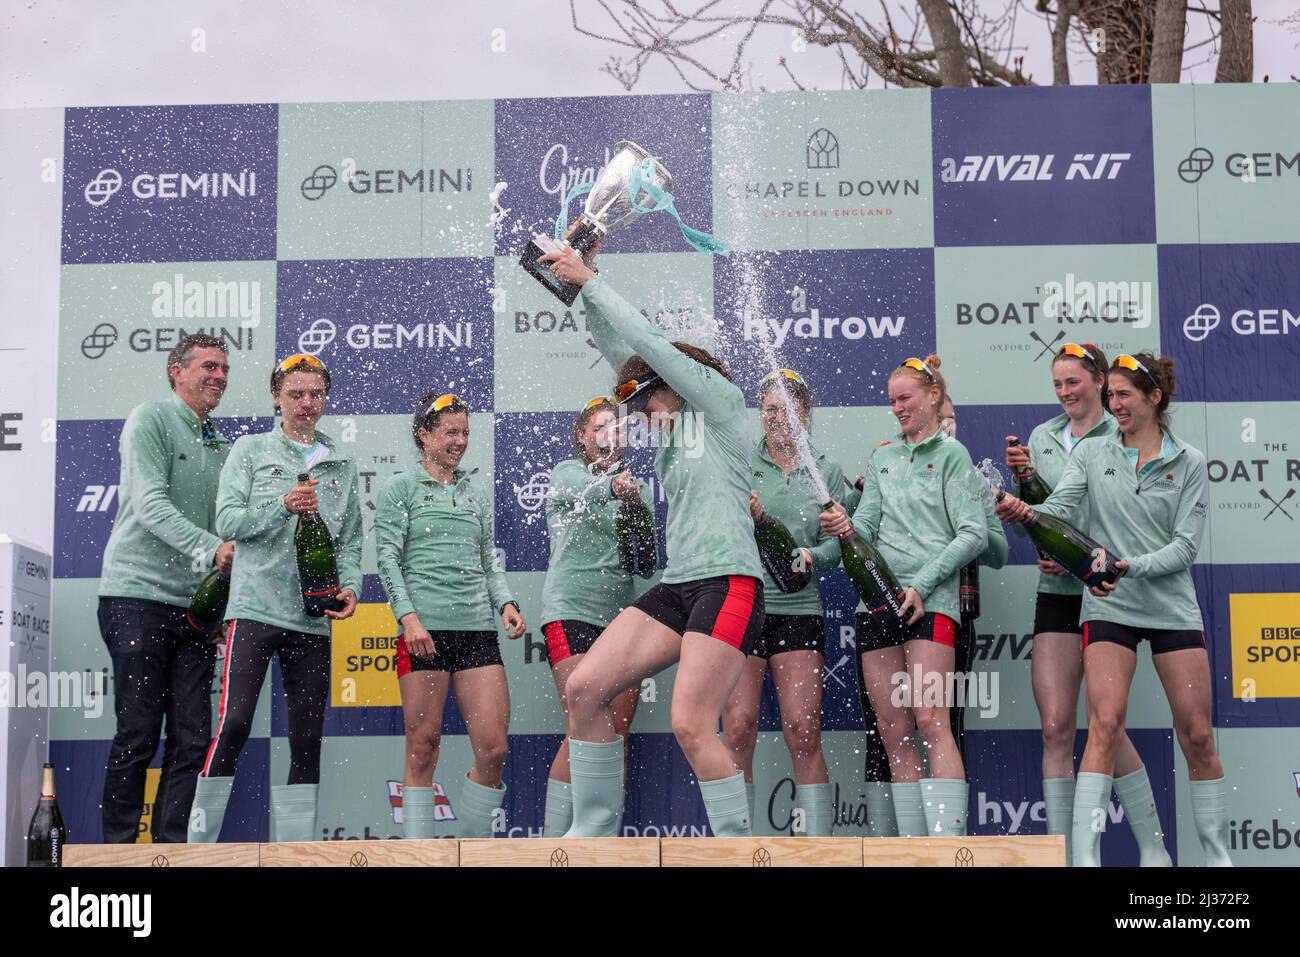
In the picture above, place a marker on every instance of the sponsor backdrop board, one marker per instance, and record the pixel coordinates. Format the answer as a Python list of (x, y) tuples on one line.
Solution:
[(383, 238)]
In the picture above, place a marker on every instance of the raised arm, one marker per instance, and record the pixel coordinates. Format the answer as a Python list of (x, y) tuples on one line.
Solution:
[(699, 385)]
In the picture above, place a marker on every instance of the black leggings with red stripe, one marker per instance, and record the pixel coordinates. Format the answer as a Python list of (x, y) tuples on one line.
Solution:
[(305, 668)]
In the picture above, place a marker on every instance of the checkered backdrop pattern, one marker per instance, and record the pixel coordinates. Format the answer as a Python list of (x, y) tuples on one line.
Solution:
[(987, 225)]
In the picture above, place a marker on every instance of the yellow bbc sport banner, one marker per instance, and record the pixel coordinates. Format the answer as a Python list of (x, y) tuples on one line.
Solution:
[(364, 671), (1265, 645)]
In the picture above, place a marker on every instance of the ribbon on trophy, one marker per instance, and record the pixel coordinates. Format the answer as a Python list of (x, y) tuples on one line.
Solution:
[(642, 180)]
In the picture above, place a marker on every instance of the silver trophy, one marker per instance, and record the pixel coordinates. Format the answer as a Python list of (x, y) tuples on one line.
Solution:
[(610, 205)]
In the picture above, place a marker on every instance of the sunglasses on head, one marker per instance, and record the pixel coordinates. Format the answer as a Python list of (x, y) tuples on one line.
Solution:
[(1133, 365), (1072, 350), (598, 400), (637, 388), (783, 374), (444, 401), (920, 366), (300, 359)]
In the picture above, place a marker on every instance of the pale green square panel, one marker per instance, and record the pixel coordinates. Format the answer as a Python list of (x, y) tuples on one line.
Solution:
[(1001, 312), (1253, 462), (118, 322), (1229, 173), (836, 170), (385, 180)]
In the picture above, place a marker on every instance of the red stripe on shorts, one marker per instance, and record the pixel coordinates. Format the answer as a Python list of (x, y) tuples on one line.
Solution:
[(736, 611), (557, 642), (1085, 635), (945, 630), (403, 658)]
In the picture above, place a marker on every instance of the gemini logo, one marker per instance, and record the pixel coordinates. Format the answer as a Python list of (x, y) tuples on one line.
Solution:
[(532, 494), (1201, 323), (102, 338), (1244, 322), (823, 150), (322, 178), (101, 189), (387, 335), (171, 185), (1198, 162)]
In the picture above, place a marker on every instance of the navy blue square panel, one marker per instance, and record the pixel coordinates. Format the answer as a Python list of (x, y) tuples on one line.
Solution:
[(1043, 165), (1230, 317), (843, 317)]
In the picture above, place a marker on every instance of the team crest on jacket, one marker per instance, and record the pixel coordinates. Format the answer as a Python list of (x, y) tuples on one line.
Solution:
[(1166, 483)]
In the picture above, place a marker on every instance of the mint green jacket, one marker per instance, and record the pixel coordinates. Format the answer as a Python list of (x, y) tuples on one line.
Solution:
[(789, 497), (1048, 455), (437, 552), (1155, 522), (704, 465), (924, 508), (585, 578), (163, 544), (257, 476)]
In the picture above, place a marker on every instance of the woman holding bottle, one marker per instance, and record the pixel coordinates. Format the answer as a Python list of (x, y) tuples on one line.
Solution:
[(921, 507), (260, 505), (601, 527), (1079, 378), (1146, 494), (791, 644)]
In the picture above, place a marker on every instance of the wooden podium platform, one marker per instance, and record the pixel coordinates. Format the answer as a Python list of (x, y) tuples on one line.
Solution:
[(1011, 851)]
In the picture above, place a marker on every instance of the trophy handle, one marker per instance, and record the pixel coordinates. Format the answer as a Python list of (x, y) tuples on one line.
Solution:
[(585, 235)]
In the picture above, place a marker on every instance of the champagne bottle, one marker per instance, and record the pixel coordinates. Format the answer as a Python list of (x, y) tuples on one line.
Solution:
[(208, 609), (870, 575), (1033, 490), (318, 573), (47, 834), (968, 590), (1074, 551), (637, 549), (782, 559)]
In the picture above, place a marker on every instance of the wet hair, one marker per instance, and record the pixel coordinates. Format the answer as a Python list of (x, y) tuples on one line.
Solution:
[(926, 380), (580, 423), (183, 351), (1094, 363), (426, 418), (798, 391), (1163, 371), (637, 368)]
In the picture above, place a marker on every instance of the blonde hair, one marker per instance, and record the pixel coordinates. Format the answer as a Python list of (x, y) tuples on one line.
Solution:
[(932, 377)]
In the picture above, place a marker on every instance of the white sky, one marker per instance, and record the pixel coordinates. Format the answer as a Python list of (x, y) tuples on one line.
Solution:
[(116, 52)]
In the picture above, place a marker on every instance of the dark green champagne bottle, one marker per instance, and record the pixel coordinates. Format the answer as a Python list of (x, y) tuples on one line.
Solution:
[(780, 556), (208, 609), (968, 591), (637, 549), (1033, 490), (1074, 551), (317, 571), (870, 575), (47, 833)]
